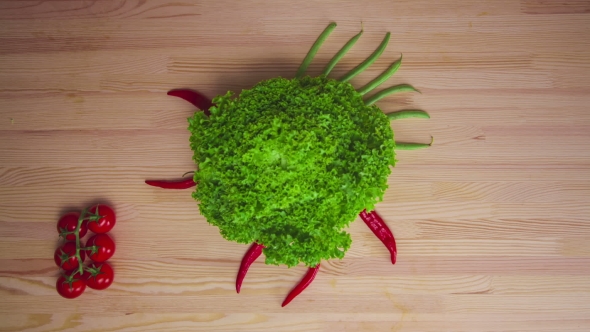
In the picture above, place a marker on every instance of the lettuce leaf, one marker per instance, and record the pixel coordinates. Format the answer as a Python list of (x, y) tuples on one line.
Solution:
[(290, 163)]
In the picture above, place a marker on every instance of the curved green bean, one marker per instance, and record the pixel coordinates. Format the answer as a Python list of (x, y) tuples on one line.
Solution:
[(381, 78), (413, 146), (341, 53), (314, 49), (365, 64), (405, 114), (394, 89)]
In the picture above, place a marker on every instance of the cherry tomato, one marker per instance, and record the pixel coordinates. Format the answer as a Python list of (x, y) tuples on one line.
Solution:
[(70, 285), (98, 275), (68, 223), (105, 247), (105, 223), (65, 256)]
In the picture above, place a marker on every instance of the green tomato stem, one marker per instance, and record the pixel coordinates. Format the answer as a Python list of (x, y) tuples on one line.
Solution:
[(93, 249), (77, 234), (63, 233)]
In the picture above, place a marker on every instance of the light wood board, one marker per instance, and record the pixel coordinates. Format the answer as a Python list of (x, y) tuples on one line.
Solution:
[(492, 221)]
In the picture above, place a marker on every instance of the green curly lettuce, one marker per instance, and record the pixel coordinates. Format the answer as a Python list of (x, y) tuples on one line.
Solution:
[(290, 163)]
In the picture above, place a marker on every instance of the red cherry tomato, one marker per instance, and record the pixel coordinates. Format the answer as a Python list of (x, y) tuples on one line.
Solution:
[(65, 256), (68, 223), (98, 275), (105, 223), (70, 285), (105, 247)]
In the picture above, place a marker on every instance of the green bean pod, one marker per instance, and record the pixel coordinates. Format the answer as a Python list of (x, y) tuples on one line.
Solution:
[(413, 146), (314, 49), (381, 78), (365, 64), (405, 114), (384, 93), (341, 53)]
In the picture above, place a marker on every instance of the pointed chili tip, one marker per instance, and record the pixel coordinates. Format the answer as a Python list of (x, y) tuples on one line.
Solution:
[(251, 255), (177, 93), (287, 301), (197, 99), (239, 281), (393, 258), (302, 285)]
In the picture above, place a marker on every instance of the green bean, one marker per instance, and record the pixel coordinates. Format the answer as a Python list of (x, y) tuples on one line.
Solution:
[(405, 114), (365, 64), (413, 146), (341, 53), (384, 93), (381, 78), (314, 49)]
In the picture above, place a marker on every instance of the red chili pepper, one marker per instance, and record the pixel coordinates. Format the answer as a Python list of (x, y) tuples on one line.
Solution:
[(251, 255), (306, 281), (180, 184), (380, 229), (198, 100)]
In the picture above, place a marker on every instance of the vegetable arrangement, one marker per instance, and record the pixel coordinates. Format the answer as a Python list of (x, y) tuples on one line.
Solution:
[(290, 163), (72, 227)]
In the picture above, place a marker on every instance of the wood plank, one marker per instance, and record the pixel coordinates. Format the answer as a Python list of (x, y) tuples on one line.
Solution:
[(491, 222)]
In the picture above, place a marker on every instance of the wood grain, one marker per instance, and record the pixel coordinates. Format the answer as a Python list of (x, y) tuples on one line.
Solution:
[(492, 222)]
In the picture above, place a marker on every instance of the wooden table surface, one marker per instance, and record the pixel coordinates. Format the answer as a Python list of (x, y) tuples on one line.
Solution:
[(492, 221)]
